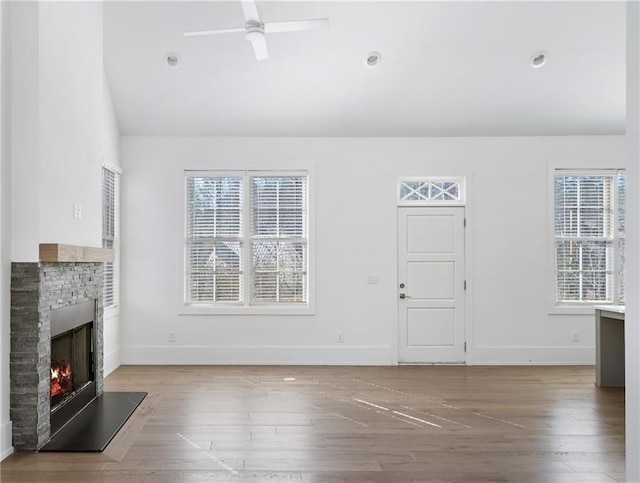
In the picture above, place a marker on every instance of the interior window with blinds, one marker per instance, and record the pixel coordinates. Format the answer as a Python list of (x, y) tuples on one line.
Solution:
[(589, 225), (279, 239), (110, 234), (246, 239)]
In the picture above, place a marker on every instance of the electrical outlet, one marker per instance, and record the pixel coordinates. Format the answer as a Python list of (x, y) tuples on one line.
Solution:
[(373, 279), (172, 336), (576, 337), (340, 337)]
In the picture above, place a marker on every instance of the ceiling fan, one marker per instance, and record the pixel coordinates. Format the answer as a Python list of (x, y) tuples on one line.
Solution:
[(255, 30)]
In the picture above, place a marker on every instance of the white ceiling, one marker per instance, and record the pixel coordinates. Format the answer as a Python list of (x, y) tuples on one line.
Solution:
[(448, 69)]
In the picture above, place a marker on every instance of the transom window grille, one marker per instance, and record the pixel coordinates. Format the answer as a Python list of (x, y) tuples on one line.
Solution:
[(111, 234), (589, 225), (428, 191), (246, 239)]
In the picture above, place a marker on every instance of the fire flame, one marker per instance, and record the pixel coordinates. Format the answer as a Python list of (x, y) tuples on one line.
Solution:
[(61, 378)]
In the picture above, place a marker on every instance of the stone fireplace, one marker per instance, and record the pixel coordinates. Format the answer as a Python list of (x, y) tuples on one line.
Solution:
[(39, 290)]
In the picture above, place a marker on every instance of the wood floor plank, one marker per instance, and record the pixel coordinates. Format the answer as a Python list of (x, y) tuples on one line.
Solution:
[(154, 476), (123, 440), (352, 424), (521, 477), (402, 477)]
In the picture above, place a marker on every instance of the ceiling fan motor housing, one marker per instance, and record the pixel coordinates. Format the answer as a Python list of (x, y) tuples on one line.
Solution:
[(254, 32)]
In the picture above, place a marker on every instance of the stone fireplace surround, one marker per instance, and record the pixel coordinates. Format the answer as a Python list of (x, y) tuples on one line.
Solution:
[(36, 289)]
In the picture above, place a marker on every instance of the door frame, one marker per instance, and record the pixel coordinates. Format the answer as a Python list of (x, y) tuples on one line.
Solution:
[(468, 275)]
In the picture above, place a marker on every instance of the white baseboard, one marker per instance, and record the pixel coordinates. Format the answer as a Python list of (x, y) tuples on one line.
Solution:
[(327, 355), (112, 361), (534, 356), (6, 437), (342, 355)]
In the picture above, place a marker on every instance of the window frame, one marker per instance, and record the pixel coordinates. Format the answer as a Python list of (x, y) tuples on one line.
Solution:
[(114, 309), (582, 307), (461, 181), (246, 307)]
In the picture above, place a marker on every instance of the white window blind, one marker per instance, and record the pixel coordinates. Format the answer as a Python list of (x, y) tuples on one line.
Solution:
[(279, 239), (246, 239), (111, 234), (214, 239), (589, 237), (621, 231)]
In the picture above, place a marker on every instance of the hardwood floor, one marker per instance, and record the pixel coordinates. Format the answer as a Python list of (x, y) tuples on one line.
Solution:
[(352, 424)]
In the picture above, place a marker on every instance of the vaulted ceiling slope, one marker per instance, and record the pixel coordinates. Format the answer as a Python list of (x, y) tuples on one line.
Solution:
[(447, 69)]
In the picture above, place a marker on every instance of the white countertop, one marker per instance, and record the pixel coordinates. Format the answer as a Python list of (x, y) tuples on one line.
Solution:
[(610, 308)]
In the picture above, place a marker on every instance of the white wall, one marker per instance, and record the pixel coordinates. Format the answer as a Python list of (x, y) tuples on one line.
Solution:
[(111, 151), (25, 130), (71, 92), (57, 104), (632, 322), (355, 225), (5, 231), (109, 130)]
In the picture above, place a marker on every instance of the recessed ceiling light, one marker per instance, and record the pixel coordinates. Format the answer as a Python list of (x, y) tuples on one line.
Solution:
[(373, 59), (172, 59), (538, 59)]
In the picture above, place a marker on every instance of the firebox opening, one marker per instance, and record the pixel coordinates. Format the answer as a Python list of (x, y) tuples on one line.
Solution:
[(71, 363), (73, 378)]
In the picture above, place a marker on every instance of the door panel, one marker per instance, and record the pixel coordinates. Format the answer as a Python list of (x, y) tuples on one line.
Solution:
[(431, 327), (431, 278), (420, 230)]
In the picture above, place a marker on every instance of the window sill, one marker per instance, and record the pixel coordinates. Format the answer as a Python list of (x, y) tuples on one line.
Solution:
[(253, 310), (575, 309), (111, 312)]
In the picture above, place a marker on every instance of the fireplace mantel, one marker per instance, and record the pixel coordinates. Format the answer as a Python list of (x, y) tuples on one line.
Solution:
[(57, 252)]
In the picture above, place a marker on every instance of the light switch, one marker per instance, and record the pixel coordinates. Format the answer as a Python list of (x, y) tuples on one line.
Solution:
[(77, 211)]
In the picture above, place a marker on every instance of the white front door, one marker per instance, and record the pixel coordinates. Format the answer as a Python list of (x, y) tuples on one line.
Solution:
[(431, 284)]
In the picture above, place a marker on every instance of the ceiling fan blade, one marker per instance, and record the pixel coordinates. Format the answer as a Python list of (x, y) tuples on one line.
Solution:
[(198, 33), (260, 47), (250, 11), (296, 25)]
